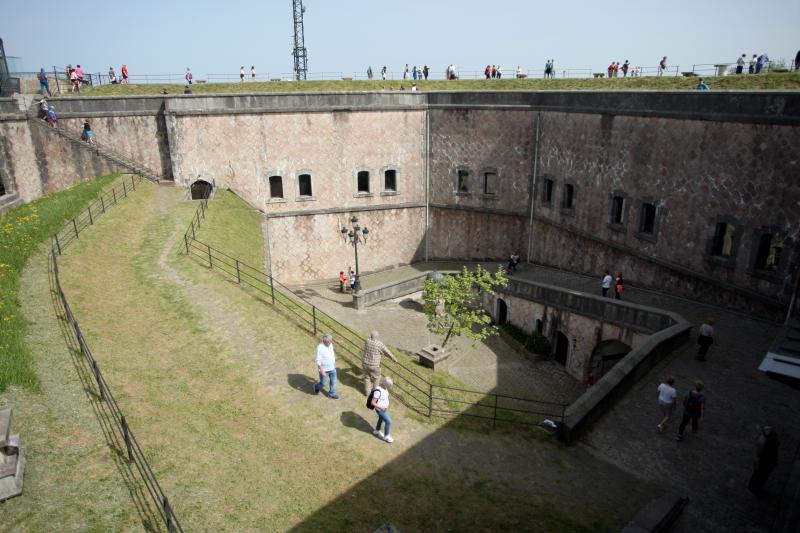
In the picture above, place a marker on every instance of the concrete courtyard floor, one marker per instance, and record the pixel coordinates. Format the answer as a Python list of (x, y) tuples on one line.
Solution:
[(711, 467)]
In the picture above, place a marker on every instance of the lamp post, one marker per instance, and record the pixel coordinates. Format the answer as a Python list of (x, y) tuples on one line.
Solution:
[(353, 236)]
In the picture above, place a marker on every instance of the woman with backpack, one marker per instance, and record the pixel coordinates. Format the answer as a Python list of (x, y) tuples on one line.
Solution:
[(379, 400), (694, 409)]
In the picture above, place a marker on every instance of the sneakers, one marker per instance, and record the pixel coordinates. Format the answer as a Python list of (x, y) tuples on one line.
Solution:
[(389, 439), (316, 388), (660, 428), (333, 396), (378, 434)]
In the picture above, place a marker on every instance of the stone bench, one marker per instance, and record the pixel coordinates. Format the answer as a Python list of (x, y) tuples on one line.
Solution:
[(688, 74), (347, 78), (200, 82), (274, 79), (599, 74), (521, 76)]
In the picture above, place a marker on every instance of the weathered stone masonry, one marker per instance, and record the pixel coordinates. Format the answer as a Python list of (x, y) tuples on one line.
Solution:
[(701, 182)]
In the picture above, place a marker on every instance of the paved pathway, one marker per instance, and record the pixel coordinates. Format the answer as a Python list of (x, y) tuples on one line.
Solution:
[(711, 467)]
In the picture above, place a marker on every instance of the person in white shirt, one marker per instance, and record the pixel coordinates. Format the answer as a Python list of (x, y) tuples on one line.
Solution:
[(667, 396), (606, 284), (705, 339), (326, 365), (380, 401)]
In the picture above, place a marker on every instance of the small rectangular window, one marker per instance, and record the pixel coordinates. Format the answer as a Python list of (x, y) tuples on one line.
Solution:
[(275, 187), (547, 191), (647, 223), (568, 201), (463, 180), (489, 183), (390, 180), (304, 184), (769, 252), (723, 240), (363, 181), (617, 209)]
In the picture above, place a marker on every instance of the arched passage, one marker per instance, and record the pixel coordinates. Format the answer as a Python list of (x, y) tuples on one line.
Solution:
[(606, 354), (502, 312), (562, 348), (201, 190)]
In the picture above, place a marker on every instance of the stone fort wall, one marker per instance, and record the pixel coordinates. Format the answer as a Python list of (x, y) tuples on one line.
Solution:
[(637, 182)]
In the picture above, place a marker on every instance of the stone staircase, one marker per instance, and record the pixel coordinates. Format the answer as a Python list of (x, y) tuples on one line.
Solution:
[(107, 153), (12, 463)]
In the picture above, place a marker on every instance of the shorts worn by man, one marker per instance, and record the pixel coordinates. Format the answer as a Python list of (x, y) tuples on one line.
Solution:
[(326, 365), (373, 349)]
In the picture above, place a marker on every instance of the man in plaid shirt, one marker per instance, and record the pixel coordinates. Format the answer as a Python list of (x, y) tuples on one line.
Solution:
[(373, 349)]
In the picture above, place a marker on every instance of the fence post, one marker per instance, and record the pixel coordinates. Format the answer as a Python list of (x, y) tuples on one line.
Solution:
[(97, 378), (314, 317), (124, 189), (210, 265), (114, 193), (194, 237), (272, 290), (75, 225), (494, 417), (89, 209), (133, 183), (197, 215), (102, 204), (127, 436), (58, 244), (55, 75), (168, 515), (430, 400), (238, 275)]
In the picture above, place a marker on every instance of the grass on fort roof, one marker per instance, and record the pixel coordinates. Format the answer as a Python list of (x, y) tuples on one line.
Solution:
[(769, 81), (22, 231)]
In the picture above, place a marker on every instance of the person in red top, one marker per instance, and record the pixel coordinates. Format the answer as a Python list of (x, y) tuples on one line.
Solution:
[(611, 70), (342, 281), (124, 73), (619, 286)]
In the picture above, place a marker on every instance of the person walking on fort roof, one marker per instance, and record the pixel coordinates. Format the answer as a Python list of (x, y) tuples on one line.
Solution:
[(705, 339), (414, 72), (499, 72), (112, 75), (425, 71), (740, 64), (124, 72), (548, 69), (519, 72), (611, 70), (752, 65), (188, 76), (667, 398), (605, 285), (81, 74), (44, 85), (405, 73), (797, 61), (625, 66), (253, 73), (241, 74), (379, 400), (619, 286), (694, 409), (762, 62), (488, 71), (662, 66), (373, 349), (369, 72), (326, 366), (383, 73), (76, 83), (765, 458)]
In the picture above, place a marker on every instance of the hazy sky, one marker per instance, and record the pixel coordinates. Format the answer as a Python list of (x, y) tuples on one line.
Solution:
[(163, 36)]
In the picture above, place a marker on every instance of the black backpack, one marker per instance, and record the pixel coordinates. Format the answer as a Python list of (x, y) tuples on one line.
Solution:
[(371, 397)]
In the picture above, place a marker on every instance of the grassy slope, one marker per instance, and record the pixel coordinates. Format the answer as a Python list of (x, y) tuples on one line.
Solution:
[(772, 81), (215, 385), (22, 230)]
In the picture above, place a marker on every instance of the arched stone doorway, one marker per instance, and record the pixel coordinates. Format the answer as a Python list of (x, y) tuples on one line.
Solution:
[(606, 354), (502, 312), (562, 348), (201, 190)]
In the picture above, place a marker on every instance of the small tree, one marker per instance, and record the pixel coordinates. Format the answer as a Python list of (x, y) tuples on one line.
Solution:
[(452, 304)]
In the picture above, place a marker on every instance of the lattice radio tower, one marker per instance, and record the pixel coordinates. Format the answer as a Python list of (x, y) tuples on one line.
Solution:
[(300, 53)]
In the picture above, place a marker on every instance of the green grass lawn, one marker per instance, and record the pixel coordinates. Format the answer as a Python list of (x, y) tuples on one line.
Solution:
[(771, 81), (216, 387), (22, 231)]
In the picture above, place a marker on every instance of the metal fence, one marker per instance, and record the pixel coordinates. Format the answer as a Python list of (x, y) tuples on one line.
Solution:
[(415, 391), (121, 430)]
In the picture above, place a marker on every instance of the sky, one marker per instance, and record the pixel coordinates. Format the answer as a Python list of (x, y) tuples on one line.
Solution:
[(167, 36)]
